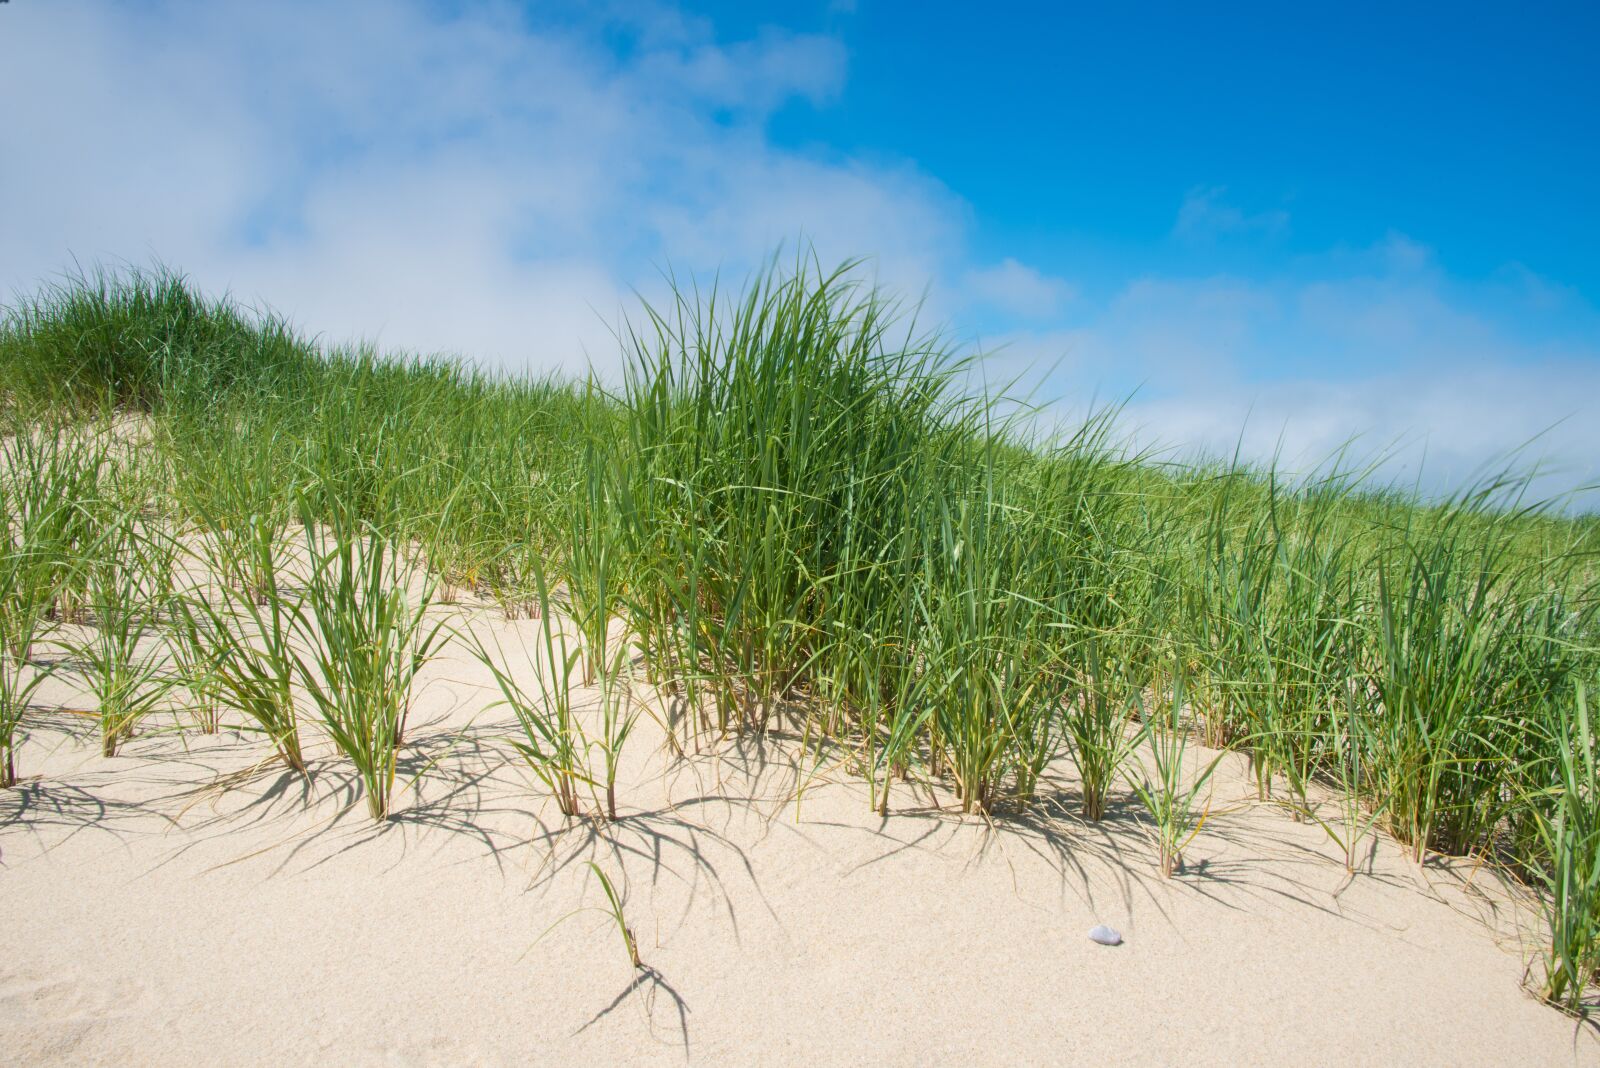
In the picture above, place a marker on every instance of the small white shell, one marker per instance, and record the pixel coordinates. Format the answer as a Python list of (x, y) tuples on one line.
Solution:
[(1106, 936)]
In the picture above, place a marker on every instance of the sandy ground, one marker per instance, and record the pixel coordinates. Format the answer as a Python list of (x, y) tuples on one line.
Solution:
[(173, 906)]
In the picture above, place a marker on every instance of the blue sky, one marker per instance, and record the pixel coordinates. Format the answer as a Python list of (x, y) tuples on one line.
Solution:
[(1276, 226), (1074, 129)]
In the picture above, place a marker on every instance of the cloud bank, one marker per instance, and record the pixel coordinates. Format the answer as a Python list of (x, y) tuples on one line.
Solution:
[(467, 182)]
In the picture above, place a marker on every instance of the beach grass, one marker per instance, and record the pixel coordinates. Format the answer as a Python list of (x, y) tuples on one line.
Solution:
[(793, 508)]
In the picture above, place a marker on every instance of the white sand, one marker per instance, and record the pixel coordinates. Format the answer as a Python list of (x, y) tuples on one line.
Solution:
[(152, 921)]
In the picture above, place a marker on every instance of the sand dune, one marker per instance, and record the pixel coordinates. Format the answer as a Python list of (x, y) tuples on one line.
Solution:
[(181, 903)]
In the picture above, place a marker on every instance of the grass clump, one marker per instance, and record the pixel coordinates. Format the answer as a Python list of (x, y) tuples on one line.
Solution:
[(363, 639), (46, 475), (1169, 793), (1570, 827), (23, 607), (236, 644), (553, 744), (125, 568)]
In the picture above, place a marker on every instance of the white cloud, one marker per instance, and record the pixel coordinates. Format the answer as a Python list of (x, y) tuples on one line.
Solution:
[(1205, 216), (1019, 290), (1446, 426), (754, 76), (1405, 363), (472, 183)]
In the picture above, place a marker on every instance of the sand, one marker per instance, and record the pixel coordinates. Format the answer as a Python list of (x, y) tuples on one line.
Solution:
[(181, 904)]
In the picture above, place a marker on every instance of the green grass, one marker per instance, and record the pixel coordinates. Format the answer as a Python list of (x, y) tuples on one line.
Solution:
[(1570, 827), (363, 639), (798, 513), (1169, 792), (236, 648), (49, 479), (125, 568), (553, 742)]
